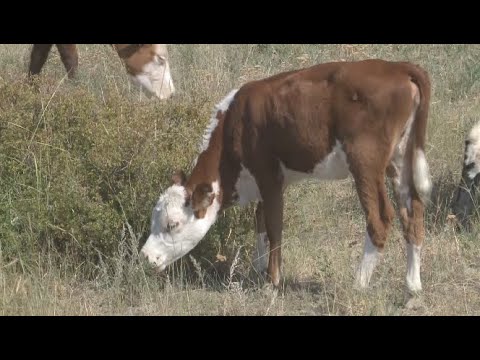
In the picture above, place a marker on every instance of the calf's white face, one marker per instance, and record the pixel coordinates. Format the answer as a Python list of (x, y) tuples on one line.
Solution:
[(180, 220), (175, 230)]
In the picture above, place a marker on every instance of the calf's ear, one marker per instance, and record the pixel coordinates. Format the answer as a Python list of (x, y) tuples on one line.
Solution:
[(178, 178), (201, 199)]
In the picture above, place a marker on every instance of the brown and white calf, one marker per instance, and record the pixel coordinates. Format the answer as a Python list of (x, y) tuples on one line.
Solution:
[(364, 118), (147, 64), (463, 206)]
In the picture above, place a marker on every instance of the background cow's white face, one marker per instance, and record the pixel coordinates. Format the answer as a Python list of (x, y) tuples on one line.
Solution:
[(175, 230), (467, 191), (149, 68)]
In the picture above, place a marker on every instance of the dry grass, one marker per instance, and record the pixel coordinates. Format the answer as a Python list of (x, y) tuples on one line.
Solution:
[(83, 163)]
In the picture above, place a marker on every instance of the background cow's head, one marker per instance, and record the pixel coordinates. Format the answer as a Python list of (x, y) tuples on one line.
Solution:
[(148, 66), (464, 204), (180, 220)]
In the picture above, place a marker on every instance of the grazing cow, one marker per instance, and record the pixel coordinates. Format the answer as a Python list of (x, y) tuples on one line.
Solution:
[(365, 118), (146, 64), (464, 203)]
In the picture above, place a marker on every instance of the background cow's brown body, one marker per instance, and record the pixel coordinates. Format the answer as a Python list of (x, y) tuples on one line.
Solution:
[(365, 118)]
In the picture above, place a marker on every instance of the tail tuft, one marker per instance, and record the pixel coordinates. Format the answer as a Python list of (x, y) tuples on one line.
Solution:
[(421, 176)]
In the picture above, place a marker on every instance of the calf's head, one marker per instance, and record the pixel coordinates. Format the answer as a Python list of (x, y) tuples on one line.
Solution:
[(180, 219)]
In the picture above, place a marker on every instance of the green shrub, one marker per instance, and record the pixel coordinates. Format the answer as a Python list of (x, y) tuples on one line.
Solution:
[(76, 171)]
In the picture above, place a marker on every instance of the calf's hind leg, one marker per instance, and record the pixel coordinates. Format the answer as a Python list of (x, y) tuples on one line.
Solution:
[(379, 212), (411, 214)]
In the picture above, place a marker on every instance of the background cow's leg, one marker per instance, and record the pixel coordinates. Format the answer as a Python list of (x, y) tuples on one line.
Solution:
[(464, 203), (69, 56), (38, 57), (379, 212), (261, 254)]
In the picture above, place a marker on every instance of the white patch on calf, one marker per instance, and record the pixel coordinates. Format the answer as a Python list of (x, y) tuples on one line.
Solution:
[(421, 174), (333, 167), (402, 179), (401, 148), (368, 264), (246, 188), (414, 283), (222, 106)]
